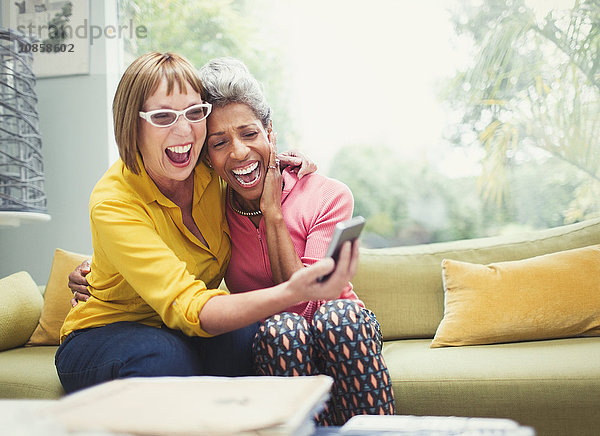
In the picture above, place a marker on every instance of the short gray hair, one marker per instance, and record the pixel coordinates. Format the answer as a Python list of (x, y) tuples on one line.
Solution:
[(228, 80)]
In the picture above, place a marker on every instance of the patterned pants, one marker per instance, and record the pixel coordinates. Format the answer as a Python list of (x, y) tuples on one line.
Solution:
[(343, 341)]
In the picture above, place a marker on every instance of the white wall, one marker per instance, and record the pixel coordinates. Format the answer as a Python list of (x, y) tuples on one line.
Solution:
[(78, 146)]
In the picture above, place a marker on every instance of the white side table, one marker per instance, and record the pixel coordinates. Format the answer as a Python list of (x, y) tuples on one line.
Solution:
[(14, 219)]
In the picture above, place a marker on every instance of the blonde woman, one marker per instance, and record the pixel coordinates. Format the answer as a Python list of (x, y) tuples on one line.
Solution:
[(161, 247)]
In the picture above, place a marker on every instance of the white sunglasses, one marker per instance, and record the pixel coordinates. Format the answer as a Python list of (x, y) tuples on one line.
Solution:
[(168, 117)]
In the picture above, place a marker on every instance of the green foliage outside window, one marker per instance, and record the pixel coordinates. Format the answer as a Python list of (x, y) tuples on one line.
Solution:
[(528, 100), (531, 98)]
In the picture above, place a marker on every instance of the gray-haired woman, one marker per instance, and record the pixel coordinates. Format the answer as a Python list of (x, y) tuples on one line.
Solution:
[(279, 224)]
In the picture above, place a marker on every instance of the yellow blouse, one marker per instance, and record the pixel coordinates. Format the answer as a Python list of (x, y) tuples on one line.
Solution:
[(147, 266)]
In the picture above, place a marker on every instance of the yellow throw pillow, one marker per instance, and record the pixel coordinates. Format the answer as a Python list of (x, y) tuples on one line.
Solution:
[(57, 298), (551, 296), (20, 308)]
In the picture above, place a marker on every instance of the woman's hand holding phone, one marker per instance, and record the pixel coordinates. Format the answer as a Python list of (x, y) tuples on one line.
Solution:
[(305, 281), (348, 230)]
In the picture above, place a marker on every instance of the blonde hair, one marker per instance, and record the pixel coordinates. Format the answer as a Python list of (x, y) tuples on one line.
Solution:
[(140, 80)]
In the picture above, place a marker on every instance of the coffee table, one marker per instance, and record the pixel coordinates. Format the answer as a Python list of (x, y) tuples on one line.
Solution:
[(23, 417)]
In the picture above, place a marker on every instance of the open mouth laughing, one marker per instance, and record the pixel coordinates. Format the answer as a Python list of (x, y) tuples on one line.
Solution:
[(179, 154), (248, 175)]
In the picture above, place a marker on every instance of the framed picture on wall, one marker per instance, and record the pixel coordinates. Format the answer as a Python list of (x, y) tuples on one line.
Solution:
[(60, 34)]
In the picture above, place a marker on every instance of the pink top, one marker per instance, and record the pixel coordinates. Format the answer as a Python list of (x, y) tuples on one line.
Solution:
[(311, 206)]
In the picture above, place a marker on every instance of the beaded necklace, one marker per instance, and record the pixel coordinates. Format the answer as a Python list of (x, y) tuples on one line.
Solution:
[(241, 212)]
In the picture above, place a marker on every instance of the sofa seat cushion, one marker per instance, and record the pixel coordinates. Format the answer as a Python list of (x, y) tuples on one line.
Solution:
[(29, 372), (529, 382)]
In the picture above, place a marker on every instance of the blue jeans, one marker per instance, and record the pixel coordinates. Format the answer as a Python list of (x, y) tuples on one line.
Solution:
[(129, 349)]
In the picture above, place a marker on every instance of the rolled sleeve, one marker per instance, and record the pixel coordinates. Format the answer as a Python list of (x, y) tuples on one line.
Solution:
[(131, 242)]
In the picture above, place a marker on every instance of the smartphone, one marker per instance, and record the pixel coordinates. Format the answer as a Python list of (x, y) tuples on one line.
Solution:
[(348, 230)]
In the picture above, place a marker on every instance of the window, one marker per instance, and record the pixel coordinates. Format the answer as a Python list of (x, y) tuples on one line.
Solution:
[(448, 119)]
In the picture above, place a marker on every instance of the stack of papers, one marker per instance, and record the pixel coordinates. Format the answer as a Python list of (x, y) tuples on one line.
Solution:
[(406, 425)]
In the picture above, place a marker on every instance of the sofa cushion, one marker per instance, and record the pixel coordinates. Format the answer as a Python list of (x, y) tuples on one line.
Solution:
[(403, 285), (57, 298), (20, 308), (545, 297), (29, 372), (550, 385)]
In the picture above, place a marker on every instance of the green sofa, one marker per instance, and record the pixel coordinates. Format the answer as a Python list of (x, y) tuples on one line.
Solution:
[(550, 385)]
